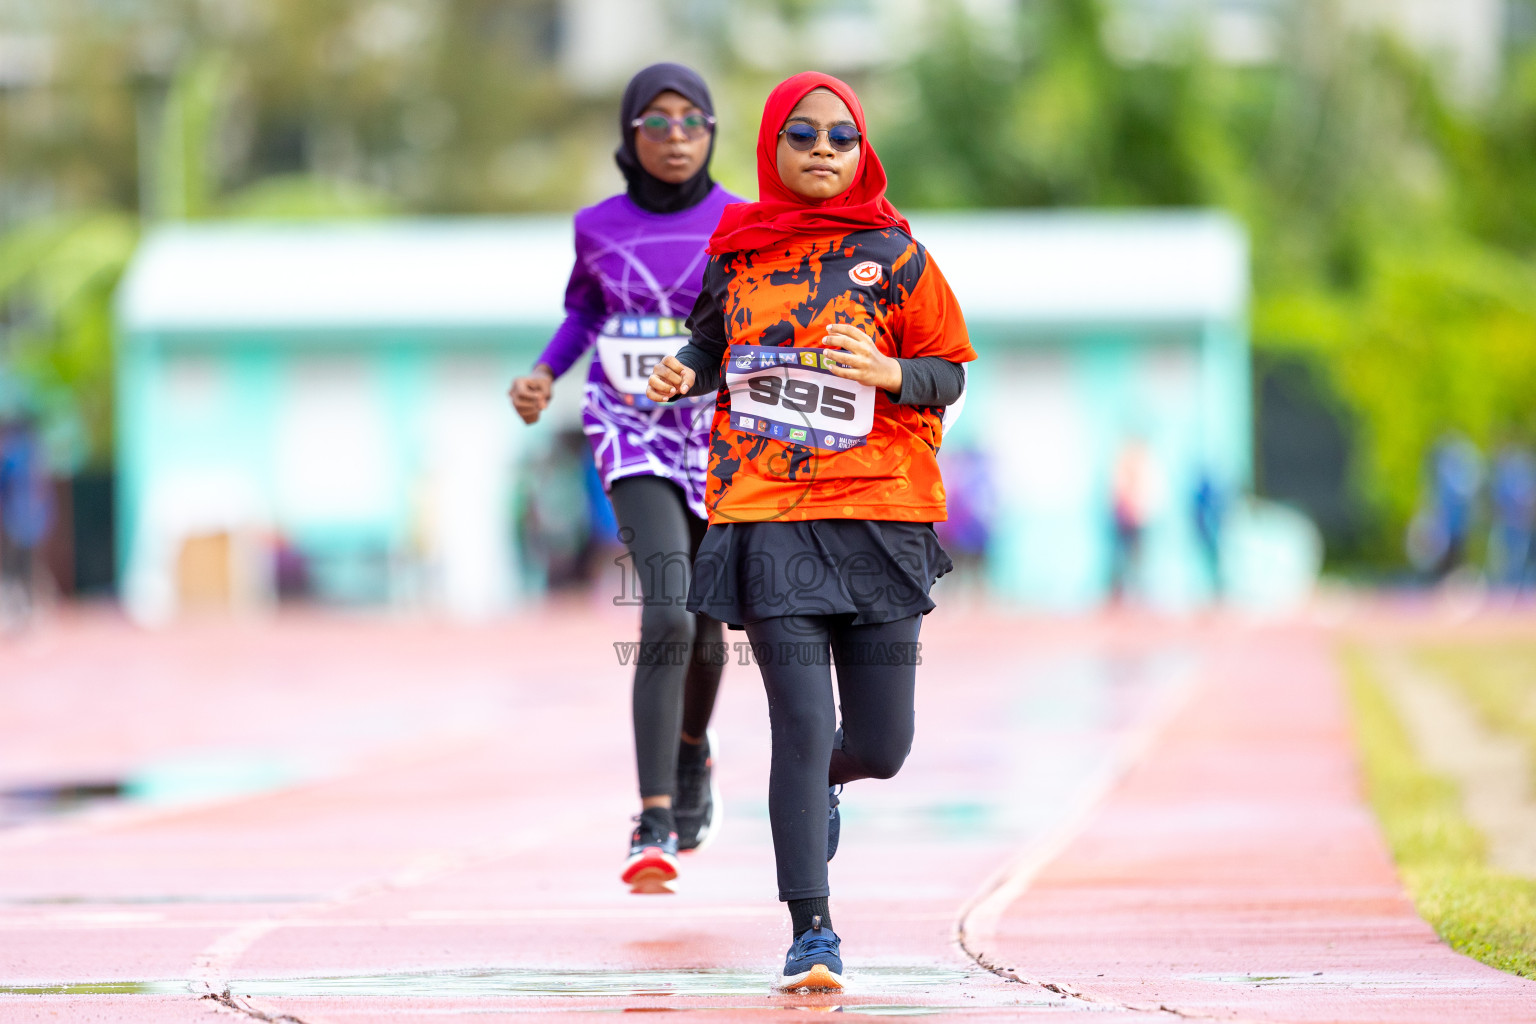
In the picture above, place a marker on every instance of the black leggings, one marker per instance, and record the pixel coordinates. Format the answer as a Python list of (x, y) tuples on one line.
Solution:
[(876, 682), (677, 670)]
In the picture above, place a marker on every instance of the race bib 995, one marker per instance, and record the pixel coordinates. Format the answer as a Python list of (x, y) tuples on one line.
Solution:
[(788, 394)]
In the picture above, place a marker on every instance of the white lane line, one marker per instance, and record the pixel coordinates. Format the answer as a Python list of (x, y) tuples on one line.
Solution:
[(976, 925)]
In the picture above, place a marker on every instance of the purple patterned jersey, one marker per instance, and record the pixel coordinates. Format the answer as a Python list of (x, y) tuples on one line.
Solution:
[(647, 265)]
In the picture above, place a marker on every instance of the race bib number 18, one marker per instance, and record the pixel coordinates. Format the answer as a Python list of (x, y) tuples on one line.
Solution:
[(788, 394), (631, 346)]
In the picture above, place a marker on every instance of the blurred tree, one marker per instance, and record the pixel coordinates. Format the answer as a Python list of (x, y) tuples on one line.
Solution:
[(1392, 232), (185, 166), (446, 105), (287, 108), (57, 276)]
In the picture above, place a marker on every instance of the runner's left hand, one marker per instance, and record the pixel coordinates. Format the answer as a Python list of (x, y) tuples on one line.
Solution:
[(669, 380), (861, 361)]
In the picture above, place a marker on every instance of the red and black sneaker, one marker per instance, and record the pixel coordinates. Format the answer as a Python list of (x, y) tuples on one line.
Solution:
[(834, 820), (697, 805), (652, 862)]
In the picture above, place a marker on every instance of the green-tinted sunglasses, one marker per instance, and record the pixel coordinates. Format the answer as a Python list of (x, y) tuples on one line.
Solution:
[(658, 127)]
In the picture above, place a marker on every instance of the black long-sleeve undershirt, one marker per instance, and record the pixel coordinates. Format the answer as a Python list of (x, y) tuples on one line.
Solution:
[(929, 380)]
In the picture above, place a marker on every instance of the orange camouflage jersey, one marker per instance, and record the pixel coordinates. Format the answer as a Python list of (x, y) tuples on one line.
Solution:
[(880, 281)]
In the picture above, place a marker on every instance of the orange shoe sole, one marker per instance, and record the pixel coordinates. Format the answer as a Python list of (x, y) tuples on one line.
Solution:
[(818, 979)]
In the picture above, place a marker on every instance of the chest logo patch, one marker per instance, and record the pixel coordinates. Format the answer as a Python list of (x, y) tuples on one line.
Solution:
[(867, 272)]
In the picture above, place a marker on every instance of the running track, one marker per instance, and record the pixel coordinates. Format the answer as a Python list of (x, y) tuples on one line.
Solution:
[(355, 820)]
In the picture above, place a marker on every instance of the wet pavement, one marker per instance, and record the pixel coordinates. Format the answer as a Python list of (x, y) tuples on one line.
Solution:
[(1236, 873), (324, 818)]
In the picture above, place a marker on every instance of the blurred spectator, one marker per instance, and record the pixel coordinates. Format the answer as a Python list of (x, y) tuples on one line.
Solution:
[(1437, 537), (970, 497), (1133, 497), (290, 570), (1511, 558), (26, 516), (559, 513), (1209, 508)]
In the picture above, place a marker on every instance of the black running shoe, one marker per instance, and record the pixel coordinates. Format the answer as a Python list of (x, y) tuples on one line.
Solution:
[(834, 820), (652, 862), (697, 803), (814, 960)]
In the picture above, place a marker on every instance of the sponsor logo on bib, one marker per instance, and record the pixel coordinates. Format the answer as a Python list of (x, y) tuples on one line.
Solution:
[(867, 272), (803, 401)]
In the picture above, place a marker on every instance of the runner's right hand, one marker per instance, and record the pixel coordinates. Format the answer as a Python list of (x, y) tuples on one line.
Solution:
[(670, 379), (531, 394)]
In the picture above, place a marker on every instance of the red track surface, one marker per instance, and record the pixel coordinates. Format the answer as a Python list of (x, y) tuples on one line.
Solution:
[(445, 811), (1235, 873)]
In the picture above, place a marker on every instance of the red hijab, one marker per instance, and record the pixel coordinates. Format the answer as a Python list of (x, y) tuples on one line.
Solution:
[(780, 213)]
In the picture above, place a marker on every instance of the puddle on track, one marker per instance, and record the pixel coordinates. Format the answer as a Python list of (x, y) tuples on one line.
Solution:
[(100, 988), (904, 985), (869, 981), (175, 899), (184, 779), (21, 805)]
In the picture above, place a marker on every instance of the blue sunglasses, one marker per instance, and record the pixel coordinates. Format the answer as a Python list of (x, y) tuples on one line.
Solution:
[(802, 137)]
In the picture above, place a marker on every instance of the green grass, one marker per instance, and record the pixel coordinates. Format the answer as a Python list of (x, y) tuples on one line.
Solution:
[(1486, 914), (1498, 680)]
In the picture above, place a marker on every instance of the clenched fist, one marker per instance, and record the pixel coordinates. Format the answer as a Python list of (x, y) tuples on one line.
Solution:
[(531, 394), (670, 379)]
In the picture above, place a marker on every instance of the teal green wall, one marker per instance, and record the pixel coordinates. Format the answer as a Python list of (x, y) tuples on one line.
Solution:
[(243, 380), (1051, 408)]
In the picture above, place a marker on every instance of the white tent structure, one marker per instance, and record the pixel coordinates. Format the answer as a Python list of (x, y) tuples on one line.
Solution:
[(340, 389)]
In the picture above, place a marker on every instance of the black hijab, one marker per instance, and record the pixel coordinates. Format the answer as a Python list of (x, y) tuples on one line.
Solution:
[(648, 192)]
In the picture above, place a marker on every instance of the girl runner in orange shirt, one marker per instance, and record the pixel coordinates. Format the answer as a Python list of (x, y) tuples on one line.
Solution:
[(834, 346)]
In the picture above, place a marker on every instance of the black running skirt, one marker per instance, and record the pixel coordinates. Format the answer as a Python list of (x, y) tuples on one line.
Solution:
[(875, 571)]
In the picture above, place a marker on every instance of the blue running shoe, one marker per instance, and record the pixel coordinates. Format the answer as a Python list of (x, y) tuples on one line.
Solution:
[(834, 820), (813, 961), (652, 862)]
